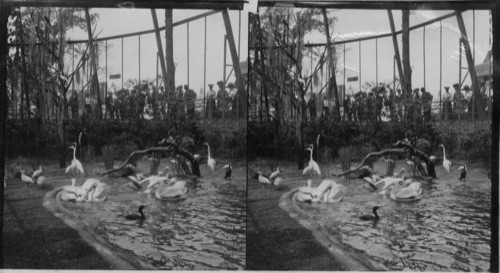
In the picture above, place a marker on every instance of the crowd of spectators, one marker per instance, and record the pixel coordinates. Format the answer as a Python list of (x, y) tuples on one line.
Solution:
[(145, 101)]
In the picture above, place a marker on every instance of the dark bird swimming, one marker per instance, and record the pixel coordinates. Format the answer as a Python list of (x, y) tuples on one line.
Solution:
[(371, 217), (135, 216)]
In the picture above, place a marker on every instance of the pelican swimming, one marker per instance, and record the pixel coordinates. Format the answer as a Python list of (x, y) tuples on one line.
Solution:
[(69, 192), (229, 170), (275, 173), (92, 190), (76, 165), (375, 215), (210, 161), (135, 216), (26, 179), (463, 172), (446, 163), (171, 189), (406, 190), (154, 180), (328, 191), (135, 179), (313, 166)]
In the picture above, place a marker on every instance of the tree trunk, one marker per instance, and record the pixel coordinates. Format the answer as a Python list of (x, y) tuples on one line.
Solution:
[(62, 101), (332, 84), (169, 55), (24, 83), (406, 81)]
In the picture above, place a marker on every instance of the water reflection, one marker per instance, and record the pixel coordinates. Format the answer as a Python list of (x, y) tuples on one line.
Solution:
[(448, 230), (205, 230)]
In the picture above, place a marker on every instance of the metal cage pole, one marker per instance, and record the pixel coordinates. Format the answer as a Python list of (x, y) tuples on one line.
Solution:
[(139, 38), (376, 62), (106, 52), (224, 79), (440, 66), (157, 61), (474, 35), (423, 50), (187, 52), (345, 87), (122, 63), (205, 68), (359, 43)]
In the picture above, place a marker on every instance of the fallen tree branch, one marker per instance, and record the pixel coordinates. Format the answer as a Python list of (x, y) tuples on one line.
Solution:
[(370, 155)]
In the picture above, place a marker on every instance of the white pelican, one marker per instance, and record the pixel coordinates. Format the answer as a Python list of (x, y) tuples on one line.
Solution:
[(446, 163), (69, 192), (37, 173), (174, 188), (76, 165), (92, 190), (210, 161), (277, 181), (401, 192), (328, 191), (26, 179), (153, 181), (313, 166), (275, 173), (136, 178), (229, 171), (263, 179), (463, 172)]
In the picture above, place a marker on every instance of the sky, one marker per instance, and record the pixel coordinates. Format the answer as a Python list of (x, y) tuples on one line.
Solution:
[(361, 23), (121, 21)]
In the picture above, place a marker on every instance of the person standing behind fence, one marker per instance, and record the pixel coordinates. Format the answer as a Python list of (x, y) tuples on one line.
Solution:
[(447, 113), (426, 103), (221, 99), (458, 99), (470, 102), (210, 107), (190, 98)]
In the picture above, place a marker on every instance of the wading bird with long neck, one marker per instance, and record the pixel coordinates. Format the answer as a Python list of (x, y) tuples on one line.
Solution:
[(76, 165), (446, 163), (313, 166), (210, 161)]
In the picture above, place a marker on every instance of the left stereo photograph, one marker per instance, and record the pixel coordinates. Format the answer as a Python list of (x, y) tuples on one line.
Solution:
[(124, 136)]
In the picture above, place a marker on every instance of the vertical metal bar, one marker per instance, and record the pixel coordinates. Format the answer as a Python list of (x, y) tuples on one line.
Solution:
[(460, 63), (73, 66), (205, 67), (239, 34), (423, 49), (139, 58), (311, 68), (122, 64), (157, 60), (187, 53), (224, 77), (474, 35), (394, 73), (345, 87), (376, 61), (359, 43), (106, 50), (440, 65)]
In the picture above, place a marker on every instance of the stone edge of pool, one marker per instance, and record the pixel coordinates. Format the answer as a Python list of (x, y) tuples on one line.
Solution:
[(117, 258), (352, 261)]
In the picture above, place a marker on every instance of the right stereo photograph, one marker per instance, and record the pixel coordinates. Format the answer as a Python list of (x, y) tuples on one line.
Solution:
[(370, 139)]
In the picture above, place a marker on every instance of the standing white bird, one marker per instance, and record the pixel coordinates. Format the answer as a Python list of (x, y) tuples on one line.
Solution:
[(446, 163), (37, 173), (76, 165), (275, 174), (210, 161), (26, 179), (313, 166)]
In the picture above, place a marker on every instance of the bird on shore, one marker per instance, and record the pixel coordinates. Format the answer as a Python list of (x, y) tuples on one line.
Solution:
[(26, 179), (229, 171), (37, 173), (262, 179), (446, 163), (313, 166), (210, 161), (135, 216), (277, 181), (373, 217), (76, 165), (463, 173), (275, 173)]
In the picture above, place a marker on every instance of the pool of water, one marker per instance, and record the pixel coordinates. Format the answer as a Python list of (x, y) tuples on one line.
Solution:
[(205, 230), (447, 230)]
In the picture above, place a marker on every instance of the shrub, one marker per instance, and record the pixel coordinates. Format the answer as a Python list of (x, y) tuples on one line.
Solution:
[(346, 155), (109, 154)]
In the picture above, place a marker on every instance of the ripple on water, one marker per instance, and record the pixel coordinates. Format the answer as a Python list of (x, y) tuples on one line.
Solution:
[(204, 231), (449, 229)]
